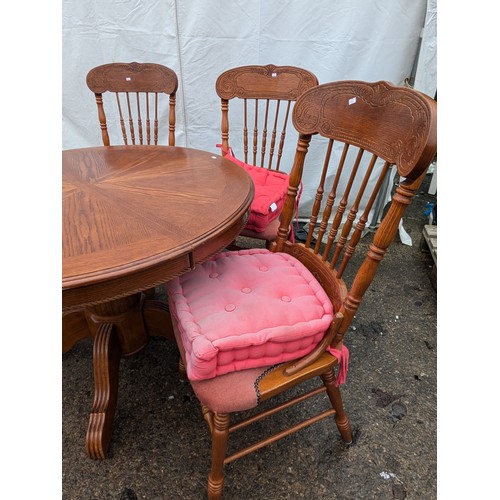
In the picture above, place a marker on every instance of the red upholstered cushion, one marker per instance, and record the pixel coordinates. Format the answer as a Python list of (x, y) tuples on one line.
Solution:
[(270, 193), (247, 309)]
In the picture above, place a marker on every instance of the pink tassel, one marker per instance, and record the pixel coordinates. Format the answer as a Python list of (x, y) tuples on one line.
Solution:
[(343, 359)]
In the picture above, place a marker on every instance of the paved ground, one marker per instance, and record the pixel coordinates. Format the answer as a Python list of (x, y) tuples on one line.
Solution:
[(160, 444)]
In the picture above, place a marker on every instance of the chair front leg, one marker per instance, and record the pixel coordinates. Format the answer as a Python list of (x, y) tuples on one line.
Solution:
[(220, 436)]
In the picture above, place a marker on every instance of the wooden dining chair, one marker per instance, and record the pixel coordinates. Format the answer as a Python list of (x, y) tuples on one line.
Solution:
[(254, 323), (139, 102), (258, 102)]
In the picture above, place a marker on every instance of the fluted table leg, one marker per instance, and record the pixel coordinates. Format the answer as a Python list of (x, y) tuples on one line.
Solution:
[(107, 353), (120, 328)]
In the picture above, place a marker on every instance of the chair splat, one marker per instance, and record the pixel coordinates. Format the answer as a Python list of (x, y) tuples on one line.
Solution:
[(141, 79)]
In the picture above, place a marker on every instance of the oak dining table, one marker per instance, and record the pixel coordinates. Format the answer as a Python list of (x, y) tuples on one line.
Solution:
[(134, 217)]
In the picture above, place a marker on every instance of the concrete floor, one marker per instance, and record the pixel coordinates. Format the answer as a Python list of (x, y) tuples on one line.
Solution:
[(160, 444)]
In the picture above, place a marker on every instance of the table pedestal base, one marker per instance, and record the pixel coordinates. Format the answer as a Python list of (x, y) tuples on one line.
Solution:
[(120, 328)]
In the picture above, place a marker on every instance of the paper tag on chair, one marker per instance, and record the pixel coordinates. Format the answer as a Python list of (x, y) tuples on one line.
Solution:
[(273, 207)]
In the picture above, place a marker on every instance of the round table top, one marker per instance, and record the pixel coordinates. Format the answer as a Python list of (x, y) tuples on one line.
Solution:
[(136, 216)]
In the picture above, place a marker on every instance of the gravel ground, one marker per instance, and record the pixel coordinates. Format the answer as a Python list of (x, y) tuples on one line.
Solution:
[(160, 443)]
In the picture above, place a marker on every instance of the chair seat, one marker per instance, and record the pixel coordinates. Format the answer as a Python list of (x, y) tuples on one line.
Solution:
[(247, 309), (235, 391), (271, 187), (239, 390)]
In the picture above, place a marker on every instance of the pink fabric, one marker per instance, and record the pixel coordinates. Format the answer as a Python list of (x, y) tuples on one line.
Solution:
[(236, 391), (228, 393), (343, 359), (269, 233), (270, 193), (247, 309)]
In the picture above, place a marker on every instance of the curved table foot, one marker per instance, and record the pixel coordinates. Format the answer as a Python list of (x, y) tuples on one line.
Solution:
[(107, 354), (120, 328)]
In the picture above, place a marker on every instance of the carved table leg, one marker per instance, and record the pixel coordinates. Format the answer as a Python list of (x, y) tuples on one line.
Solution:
[(126, 315), (107, 353), (119, 327)]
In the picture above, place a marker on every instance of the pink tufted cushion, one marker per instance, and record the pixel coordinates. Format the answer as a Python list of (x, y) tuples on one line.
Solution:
[(271, 187), (234, 391), (247, 309)]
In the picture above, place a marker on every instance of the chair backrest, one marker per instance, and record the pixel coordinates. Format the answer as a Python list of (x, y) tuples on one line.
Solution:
[(138, 89), (261, 110), (365, 123)]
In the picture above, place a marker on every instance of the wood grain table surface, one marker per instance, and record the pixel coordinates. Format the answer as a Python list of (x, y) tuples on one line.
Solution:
[(133, 217)]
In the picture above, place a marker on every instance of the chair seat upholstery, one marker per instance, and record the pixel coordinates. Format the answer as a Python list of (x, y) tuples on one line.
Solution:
[(247, 309), (232, 392)]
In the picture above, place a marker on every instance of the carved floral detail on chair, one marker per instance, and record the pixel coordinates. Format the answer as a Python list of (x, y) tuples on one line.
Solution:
[(131, 77), (235, 82)]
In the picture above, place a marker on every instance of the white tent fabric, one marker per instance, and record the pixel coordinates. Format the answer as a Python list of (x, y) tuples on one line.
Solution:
[(426, 72), (199, 39)]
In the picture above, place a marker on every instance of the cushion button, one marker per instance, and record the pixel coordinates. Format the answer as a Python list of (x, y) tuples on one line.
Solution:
[(230, 307), (246, 290), (263, 268), (213, 275), (286, 298)]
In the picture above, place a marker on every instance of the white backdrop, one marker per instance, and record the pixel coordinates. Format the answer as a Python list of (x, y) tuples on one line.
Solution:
[(335, 39)]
